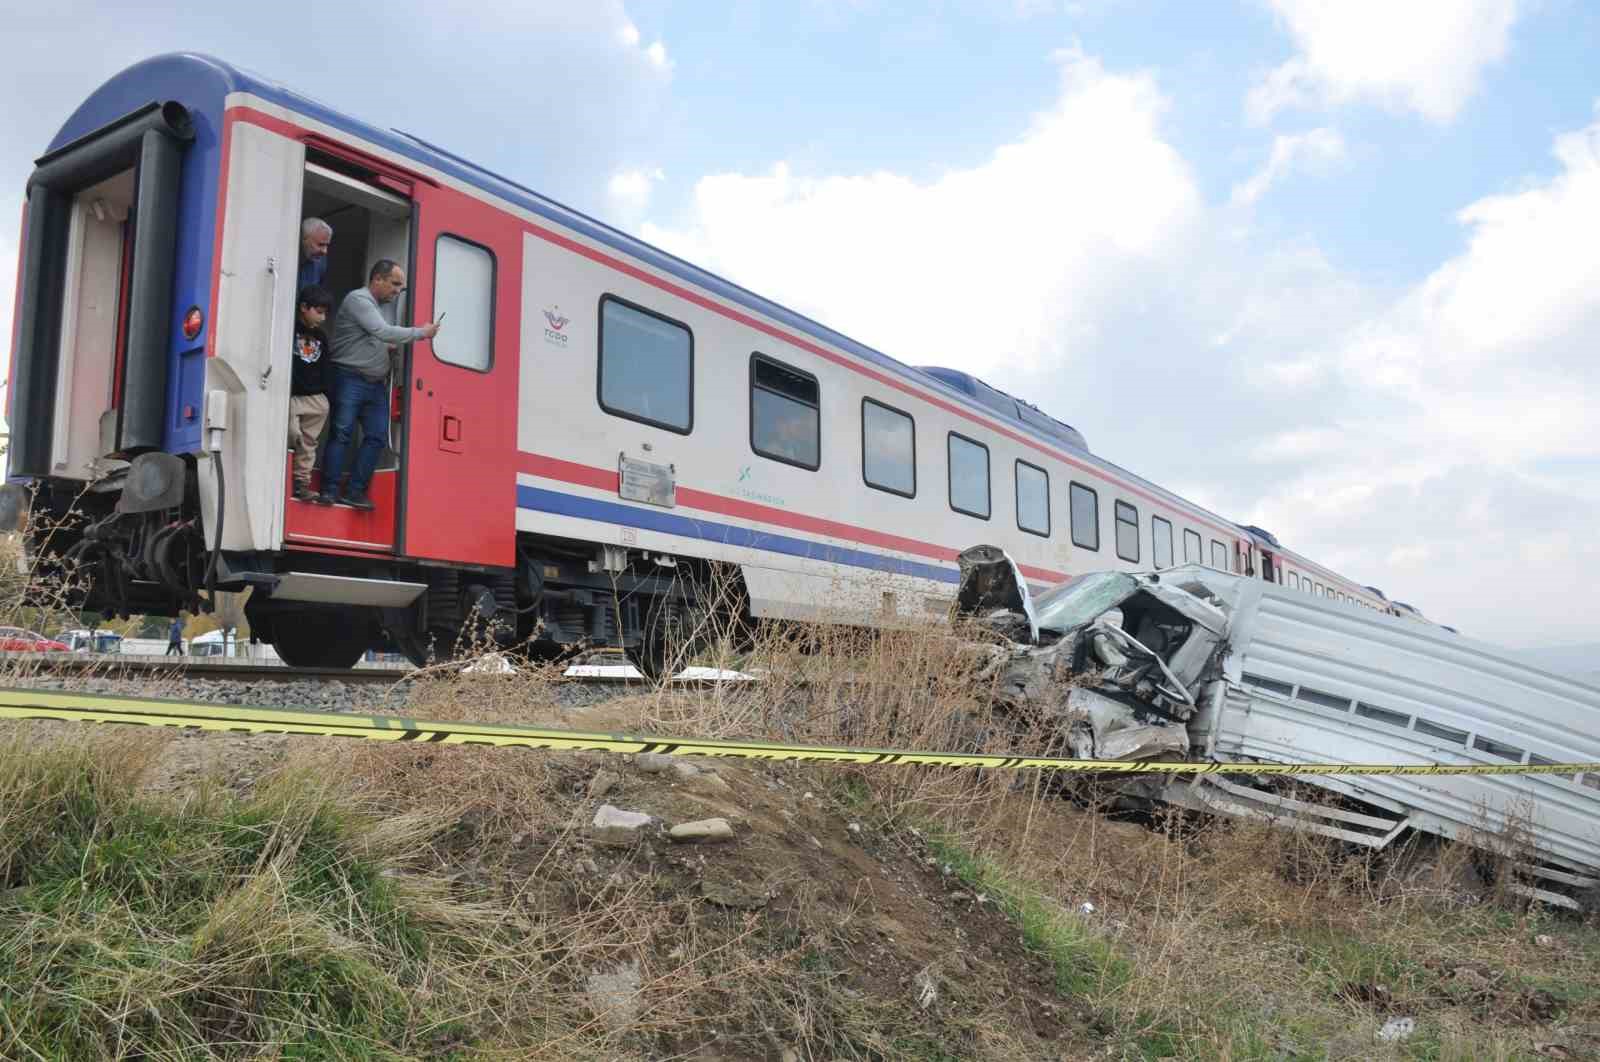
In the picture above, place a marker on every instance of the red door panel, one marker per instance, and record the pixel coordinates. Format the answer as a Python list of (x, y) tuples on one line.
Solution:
[(459, 468)]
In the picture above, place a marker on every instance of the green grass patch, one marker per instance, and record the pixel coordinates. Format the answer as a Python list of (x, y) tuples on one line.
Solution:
[(129, 928), (1084, 962)]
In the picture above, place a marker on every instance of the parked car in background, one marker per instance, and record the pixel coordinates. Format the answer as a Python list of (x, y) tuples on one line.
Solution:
[(214, 643), (17, 640), (86, 641)]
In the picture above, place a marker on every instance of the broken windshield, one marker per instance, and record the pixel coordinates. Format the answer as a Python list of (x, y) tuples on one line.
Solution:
[(1079, 600)]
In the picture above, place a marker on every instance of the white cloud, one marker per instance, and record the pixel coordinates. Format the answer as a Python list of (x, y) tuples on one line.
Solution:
[(1018, 250), (1436, 441), (1421, 55), (1469, 421), (655, 52), (1313, 150), (630, 190)]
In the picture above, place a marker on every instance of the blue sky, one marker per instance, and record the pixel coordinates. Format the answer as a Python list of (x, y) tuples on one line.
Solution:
[(1328, 268)]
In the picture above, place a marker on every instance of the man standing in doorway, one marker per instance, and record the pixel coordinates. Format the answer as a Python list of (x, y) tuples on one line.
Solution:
[(315, 236), (175, 637), (363, 341)]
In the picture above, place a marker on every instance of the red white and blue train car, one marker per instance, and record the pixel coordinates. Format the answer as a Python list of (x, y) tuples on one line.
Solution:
[(595, 426)]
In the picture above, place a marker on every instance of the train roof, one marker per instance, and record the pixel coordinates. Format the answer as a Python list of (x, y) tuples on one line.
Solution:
[(1008, 405), (1263, 534), (202, 83)]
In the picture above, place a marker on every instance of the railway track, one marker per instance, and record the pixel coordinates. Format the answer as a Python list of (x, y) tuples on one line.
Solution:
[(43, 665), (16, 666)]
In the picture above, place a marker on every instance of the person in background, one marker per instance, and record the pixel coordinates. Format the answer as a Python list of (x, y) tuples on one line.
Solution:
[(175, 636), (364, 335), (315, 236), (308, 390)]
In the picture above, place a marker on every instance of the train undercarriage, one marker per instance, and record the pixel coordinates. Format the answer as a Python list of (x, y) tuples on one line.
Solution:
[(133, 543)]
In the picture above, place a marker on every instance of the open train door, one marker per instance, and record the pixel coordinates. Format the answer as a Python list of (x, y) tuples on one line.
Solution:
[(458, 469)]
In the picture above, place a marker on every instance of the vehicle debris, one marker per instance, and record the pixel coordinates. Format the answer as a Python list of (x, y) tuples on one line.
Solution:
[(1190, 663)]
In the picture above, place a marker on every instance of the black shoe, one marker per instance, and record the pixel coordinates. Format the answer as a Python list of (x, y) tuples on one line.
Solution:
[(302, 492), (359, 501), (325, 498)]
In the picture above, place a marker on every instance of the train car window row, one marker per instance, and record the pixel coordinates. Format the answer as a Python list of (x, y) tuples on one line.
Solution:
[(1127, 519), (967, 464), (888, 449), (785, 413), (646, 366), (463, 287), (1161, 542), (1033, 499), (1085, 514), (1193, 547)]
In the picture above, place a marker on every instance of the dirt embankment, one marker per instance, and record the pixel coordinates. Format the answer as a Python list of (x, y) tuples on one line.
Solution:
[(538, 905)]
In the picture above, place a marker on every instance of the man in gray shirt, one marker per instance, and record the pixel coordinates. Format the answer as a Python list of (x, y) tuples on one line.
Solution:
[(363, 337)]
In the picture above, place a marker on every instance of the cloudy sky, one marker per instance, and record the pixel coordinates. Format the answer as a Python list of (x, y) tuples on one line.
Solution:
[(1333, 269)]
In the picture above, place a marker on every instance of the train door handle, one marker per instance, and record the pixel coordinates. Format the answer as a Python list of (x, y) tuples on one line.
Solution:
[(451, 432)]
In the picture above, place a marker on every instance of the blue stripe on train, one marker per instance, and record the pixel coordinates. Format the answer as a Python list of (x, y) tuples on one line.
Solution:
[(690, 527)]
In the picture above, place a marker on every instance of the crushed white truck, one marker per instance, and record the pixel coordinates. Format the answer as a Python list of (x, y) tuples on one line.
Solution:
[(1196, 664)]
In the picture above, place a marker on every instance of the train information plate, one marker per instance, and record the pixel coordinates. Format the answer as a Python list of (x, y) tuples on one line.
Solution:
[(643, 481)]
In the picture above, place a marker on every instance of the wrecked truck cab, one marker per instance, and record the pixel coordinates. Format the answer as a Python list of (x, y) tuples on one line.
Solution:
[(1120, 621), (1116, 660)]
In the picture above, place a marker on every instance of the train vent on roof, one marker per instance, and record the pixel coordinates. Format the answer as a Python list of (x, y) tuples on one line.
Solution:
[(1011, 408), (1261, 532)]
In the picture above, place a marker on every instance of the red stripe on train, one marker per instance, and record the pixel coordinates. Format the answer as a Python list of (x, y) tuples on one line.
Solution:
[(606, 479)]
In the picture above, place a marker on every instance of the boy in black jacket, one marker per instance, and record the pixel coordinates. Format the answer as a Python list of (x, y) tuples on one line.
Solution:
[(308, 392)]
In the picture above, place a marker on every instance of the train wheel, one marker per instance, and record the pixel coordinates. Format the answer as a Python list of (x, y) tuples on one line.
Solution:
[(318, 639)]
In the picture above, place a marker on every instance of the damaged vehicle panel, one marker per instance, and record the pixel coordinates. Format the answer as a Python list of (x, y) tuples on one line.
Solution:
[(1191, 663)]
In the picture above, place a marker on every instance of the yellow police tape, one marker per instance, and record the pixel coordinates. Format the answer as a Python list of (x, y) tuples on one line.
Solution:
[(23, 704)]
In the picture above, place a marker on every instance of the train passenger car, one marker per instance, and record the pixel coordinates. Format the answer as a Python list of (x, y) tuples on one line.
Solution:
[(595, 426)]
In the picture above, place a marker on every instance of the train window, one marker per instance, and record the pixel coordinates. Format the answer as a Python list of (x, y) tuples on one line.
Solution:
[(785, 418), (646, 366), (1322, 591), (1033, 499), (1219, 556), (1085, 505), (1193, 548), (969, 475), (1294, 581), (463, 287), (1161, 541), (888, 449), (1127, 531)]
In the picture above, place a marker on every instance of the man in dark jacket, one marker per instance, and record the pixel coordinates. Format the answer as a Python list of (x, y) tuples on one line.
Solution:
[(308, 388)]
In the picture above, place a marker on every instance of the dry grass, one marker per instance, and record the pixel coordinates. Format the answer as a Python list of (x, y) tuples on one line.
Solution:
[(399, 901)]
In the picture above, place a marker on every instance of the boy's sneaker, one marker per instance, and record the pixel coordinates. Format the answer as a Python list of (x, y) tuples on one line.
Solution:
[(359, 501), (325, 498), (302, 492)]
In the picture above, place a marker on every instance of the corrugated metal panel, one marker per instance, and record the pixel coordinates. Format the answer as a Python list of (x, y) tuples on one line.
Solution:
[(1313, 681)]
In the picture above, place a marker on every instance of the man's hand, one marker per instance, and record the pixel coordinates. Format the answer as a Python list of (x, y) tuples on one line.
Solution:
[(429, 330)]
